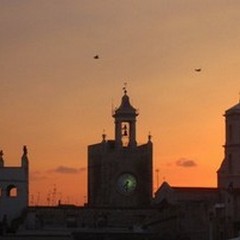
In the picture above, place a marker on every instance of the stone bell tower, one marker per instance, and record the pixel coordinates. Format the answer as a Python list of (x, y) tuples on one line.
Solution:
[(229, 171), (120, 170), (125, 124)]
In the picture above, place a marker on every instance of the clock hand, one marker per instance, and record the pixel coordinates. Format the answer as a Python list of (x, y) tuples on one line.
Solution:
[(126, 186)]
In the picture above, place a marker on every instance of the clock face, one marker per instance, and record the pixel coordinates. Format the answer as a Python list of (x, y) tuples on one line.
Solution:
[(126, 183)]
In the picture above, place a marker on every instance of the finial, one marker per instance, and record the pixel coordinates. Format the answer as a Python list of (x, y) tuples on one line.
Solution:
[(25, 150), (149, 136), (125, 88), (104, 136)]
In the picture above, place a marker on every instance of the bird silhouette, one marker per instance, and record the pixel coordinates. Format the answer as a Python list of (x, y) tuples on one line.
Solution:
[(198, 69), (96, 57)]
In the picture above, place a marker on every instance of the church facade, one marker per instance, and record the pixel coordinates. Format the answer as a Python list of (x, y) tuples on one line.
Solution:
[(119, 170)]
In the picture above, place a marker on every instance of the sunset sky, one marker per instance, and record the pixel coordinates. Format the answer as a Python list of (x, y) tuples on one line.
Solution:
[(57, 99)]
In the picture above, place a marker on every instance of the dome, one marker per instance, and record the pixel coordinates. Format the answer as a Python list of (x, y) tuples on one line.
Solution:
[(125, 107)]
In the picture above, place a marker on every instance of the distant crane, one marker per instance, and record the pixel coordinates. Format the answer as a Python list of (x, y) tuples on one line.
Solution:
[(54, 192)]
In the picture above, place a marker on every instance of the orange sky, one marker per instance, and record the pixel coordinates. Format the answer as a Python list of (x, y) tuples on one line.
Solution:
[(57, 99)]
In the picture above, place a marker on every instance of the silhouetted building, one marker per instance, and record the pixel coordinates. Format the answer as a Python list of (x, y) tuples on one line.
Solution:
[(120, 202), (205, 213), (229, 171), (13, 189), (120, 171), (185, 212)]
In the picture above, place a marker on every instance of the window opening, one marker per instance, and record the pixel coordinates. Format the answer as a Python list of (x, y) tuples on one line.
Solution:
[(12, 191)]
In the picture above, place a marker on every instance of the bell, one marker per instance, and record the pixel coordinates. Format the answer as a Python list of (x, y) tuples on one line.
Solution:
[(125, 130)]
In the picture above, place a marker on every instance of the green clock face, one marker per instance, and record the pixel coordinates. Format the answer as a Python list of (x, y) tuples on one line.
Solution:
[(126, 183)]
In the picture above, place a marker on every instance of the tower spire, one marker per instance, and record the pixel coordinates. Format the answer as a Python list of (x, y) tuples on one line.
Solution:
[(125, 122)]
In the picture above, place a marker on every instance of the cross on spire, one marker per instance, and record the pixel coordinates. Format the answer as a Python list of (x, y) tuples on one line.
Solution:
[(125, 88)]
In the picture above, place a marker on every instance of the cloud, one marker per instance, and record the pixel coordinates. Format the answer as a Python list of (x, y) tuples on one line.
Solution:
[(36, 176), (183, 162), (67, 170)]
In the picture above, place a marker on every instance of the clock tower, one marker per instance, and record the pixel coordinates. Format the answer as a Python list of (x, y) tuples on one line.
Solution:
[(120, 170)]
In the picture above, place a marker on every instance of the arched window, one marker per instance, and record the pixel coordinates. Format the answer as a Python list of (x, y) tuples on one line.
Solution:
[(11, 191)]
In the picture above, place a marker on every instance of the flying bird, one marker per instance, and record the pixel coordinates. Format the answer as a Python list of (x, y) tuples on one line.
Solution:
[(198, 69), (96, 57)]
